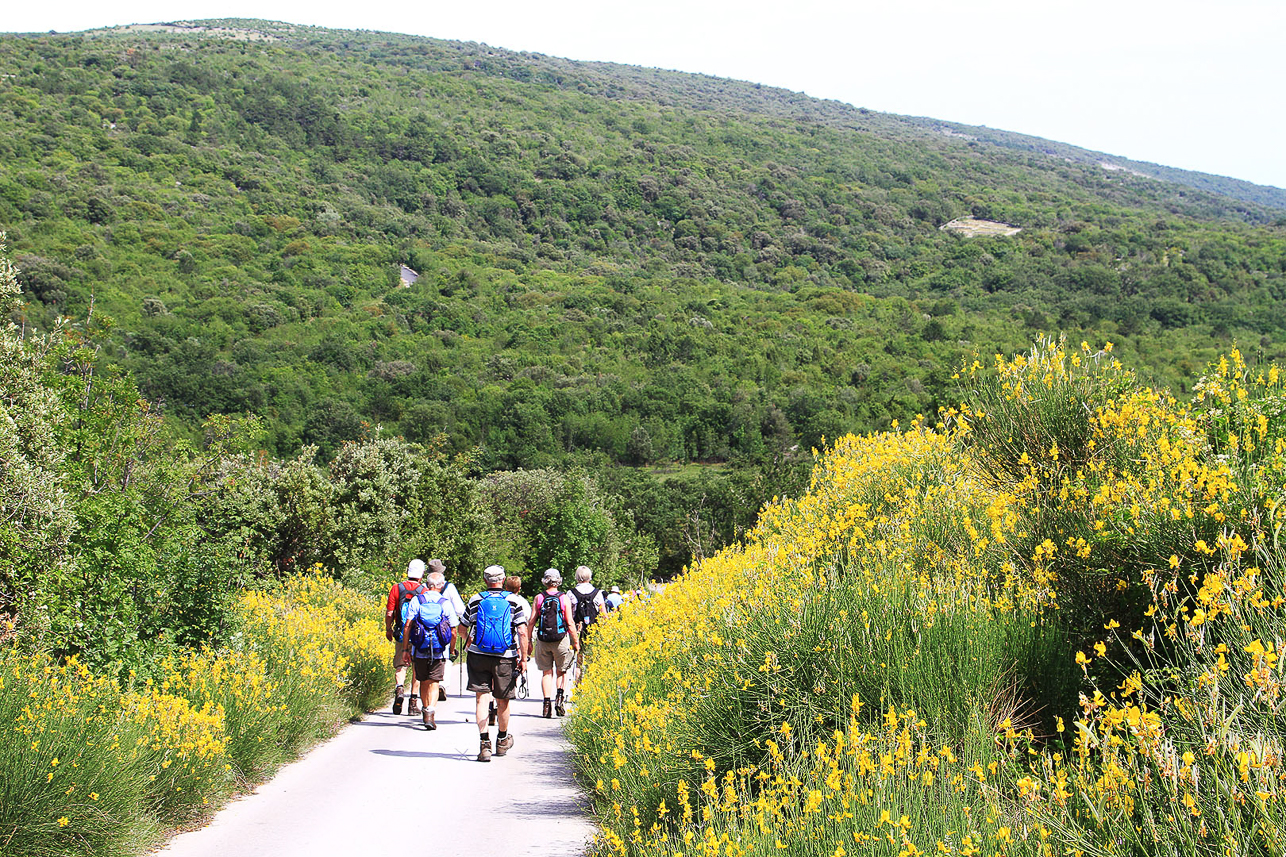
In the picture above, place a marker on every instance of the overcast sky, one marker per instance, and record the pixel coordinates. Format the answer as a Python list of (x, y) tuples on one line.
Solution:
[(1182, 83)]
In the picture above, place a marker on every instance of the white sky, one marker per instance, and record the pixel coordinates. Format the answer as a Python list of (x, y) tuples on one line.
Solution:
[(1186, 84)]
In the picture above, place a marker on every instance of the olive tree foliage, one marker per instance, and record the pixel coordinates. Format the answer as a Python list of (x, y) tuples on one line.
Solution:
[(36, 520), (379, 502), (541, 519)]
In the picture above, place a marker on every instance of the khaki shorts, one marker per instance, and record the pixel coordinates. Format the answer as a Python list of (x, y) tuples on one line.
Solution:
[(555, 655), (401, 658), (492, 674)]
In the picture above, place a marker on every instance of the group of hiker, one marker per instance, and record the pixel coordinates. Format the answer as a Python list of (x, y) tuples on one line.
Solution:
[(496, 632)]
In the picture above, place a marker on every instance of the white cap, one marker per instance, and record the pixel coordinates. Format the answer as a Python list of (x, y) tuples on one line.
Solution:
[(415, 569)]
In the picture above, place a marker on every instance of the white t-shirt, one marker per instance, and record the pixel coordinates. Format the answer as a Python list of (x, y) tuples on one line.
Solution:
[(585, 589), (449, 591)]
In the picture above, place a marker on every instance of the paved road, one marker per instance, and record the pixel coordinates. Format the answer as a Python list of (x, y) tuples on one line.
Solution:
[(361, 792)]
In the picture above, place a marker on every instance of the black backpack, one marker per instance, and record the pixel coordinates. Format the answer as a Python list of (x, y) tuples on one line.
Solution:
[(585, 611), (552, 628)]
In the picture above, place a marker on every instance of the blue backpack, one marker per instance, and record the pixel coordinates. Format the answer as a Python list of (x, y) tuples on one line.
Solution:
[(429, 629), (494, 623)]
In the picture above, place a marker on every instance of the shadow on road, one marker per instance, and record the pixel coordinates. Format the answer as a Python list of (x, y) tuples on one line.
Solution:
[(421, 754)]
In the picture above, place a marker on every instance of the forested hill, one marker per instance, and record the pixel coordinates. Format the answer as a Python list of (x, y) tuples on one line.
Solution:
[(615, 265)]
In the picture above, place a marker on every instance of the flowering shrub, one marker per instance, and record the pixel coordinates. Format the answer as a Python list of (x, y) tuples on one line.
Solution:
[(1050, 624), (87, 767)]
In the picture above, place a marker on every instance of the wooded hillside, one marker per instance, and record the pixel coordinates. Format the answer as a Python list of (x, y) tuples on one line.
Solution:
[(617, 266)]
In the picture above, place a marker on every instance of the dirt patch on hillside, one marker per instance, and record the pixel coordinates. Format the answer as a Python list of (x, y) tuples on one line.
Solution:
[(972, 227)]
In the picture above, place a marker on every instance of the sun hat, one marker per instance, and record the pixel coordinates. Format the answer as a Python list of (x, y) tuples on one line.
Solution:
[(437, 565), (494, 574), (616, 589), (415, 569)]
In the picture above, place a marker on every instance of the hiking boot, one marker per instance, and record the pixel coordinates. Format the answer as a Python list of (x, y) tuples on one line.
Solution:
[(430, 722), (547, 711), (484, 752), (491, 717), (397, 700), (559, 709), (442, 694), (414, 708), (504, 744)]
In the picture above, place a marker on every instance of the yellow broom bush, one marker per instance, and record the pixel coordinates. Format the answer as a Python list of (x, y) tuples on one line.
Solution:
[(1050, 624), (87, 767)]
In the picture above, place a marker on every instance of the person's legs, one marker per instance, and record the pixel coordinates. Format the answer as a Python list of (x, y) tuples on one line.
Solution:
[(566, 661), (545, 663), (399, 675), (502, 688), (481, 679), (547, 682)]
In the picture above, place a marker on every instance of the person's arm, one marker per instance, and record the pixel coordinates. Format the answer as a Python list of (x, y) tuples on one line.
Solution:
[(530, 648), (405, 642), (523, 637), (463, 631), (390, 607), (570, 623)]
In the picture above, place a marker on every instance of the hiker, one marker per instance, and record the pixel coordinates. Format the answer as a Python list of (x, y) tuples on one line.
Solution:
[(614, 599), (495, 626), (449, 590), (429, 631), (554, 641), (587, 606), (513, 583), (399, 597)]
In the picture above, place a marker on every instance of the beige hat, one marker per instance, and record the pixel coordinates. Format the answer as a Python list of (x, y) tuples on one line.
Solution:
[(438, 565), (494, 574)]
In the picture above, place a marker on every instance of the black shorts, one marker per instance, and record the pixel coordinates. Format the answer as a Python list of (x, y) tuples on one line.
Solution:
[(492, 674), (430, 669)]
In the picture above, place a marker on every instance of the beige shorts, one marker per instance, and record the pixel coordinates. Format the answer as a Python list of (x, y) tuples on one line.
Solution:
[(555, 655), (401, 658)]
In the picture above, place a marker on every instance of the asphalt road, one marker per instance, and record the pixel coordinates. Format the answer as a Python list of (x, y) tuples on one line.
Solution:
[(385, 785)]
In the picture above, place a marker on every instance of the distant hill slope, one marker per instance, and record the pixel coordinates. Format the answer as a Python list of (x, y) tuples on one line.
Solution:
[(614, 264), (1265, 195)]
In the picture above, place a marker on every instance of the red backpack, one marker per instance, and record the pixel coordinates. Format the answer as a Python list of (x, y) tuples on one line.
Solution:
[(404, 596)]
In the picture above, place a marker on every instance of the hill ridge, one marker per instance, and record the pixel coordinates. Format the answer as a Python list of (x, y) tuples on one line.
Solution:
[(1239, 189)]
